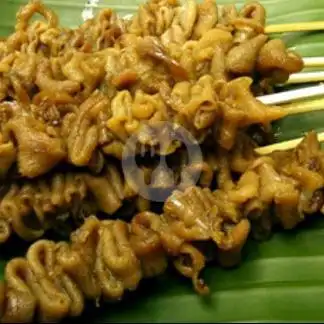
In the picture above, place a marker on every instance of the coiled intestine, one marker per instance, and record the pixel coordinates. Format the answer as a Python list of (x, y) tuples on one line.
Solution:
[(30, 208), (93, 35), (111, 79), (177, 23), (54, 129), (78, 97), (106, 258), (261, 184)]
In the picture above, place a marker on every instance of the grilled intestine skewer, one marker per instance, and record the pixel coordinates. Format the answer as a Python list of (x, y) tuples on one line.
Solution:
[(92, 128), (30, 208), (30, 132), (143, 69), (42, 198), (18, 203), (87, 146), (104, 259)]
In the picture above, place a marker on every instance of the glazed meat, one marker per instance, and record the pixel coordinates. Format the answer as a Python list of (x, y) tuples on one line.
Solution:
[(139, 135)]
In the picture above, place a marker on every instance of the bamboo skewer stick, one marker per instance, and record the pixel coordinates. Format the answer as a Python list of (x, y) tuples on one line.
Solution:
[(294, 27), (284, 146), (292, 95), (305, 77), (304, 106), (316, 61)]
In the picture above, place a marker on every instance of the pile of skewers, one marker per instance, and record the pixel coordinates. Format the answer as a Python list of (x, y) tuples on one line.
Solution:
[(58, 119)]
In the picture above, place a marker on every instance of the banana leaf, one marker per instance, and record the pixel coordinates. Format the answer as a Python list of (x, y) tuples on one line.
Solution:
[(279, 280)]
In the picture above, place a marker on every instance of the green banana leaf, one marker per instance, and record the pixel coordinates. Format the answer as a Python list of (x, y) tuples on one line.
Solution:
[(279, 280)]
